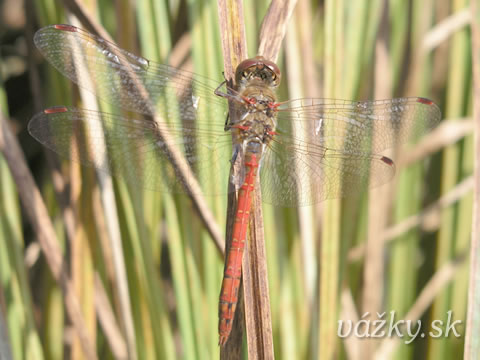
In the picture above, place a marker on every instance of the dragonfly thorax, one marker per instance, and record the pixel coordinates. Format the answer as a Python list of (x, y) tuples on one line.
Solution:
[(256, 127), (256, 120)]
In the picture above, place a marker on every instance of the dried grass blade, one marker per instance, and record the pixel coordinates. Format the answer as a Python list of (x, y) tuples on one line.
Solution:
[(273, 28)]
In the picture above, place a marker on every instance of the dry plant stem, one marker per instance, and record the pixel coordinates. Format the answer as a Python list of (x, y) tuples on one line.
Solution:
[(232, 32), (180, 53), (273, 28), (447, 133), (177, 159), (80, 11), (106, 317), (101, 226), (255, 286), (472, 340), (38, 216), (430, 218), (445, 28), (258, 317)]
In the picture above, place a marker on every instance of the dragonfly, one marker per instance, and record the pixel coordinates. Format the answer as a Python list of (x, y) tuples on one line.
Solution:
[(303, 151)]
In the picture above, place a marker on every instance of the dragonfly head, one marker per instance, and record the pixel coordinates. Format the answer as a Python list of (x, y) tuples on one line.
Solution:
[(257, 69)]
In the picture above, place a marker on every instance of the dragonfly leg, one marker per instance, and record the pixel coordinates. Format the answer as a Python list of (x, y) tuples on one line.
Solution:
[(235, 154), (231, 94), (227, 125), (218, 92)]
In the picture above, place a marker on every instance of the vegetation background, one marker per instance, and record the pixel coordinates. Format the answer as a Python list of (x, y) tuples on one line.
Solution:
[(401, 248)]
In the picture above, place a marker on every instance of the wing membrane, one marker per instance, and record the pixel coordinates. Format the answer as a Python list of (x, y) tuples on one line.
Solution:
[(132, 148)]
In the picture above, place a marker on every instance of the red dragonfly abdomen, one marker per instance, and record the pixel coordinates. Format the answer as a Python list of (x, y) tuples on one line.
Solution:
[(233, 263)]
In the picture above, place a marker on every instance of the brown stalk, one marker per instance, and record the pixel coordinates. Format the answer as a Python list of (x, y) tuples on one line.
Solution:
[(473, 315), (106, 318), (274, 27), (447, 133), (445, 28), (255, 285)]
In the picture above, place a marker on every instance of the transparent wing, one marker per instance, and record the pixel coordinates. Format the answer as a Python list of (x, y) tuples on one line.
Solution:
[(132, 148), (368, 126), (118, 76), (329, 148)]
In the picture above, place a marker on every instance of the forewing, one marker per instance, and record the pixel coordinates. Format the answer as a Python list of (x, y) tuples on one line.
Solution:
[(118, 76), (360, 126)]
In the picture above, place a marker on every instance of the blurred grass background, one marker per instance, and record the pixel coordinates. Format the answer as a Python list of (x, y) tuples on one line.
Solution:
[(344, 49)]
